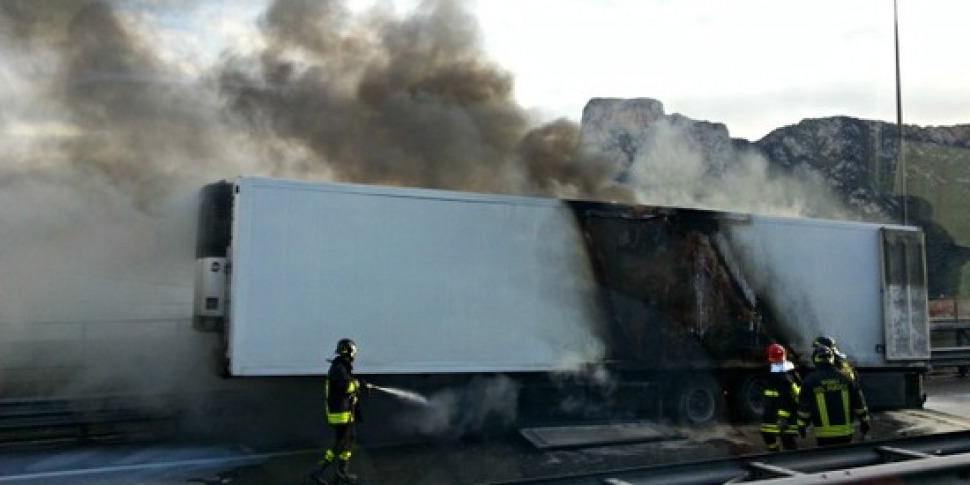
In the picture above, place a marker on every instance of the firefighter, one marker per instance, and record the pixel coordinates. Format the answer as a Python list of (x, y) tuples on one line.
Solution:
[(830, 401), (779, 426), (342, 390), (841, 360)]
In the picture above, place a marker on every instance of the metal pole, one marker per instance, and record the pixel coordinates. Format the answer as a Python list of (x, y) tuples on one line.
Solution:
[(900, 157)]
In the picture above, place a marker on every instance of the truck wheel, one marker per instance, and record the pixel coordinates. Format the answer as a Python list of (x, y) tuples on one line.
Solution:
[(749, 399), (220, 365), (699, 402)]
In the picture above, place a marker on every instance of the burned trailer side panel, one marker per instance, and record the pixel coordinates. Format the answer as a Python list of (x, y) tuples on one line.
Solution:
[(673, 301), (688, 290), (681, 315)]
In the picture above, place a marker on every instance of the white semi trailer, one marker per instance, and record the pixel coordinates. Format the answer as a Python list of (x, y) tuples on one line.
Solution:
[(676, 305)]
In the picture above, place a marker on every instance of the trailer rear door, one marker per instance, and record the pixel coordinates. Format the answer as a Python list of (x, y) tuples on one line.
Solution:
[(904, 295)]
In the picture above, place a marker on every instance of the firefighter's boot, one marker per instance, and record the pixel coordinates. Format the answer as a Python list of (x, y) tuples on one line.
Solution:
[(319, 474), (343, 473), (316, 476)]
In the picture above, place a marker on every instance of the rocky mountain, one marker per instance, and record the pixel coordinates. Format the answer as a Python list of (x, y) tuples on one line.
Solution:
[(622, 129), (861, 158), (858, 161)]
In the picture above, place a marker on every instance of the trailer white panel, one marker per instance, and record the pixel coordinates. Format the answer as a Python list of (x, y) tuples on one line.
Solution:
[(827, 278), (424, 281)]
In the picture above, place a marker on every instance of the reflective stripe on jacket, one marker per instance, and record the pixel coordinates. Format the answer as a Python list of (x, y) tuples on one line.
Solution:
[(780, 403), (830, 401), (340, 389), (842, 364)]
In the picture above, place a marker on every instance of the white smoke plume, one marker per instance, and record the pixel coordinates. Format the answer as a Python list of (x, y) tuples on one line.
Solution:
[(109, 129), (110, 125), (484, 403), (671, 170), (669, 160)]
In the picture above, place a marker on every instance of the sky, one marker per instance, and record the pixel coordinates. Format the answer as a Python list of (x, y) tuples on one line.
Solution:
[(277, 74), (480, 95), (114, 113), (754, 65)]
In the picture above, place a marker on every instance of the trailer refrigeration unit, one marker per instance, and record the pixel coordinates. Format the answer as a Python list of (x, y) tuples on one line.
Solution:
[(677, 305)]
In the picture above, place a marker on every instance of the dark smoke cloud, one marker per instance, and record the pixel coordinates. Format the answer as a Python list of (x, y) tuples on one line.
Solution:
[(137, 124), (409, 101), (553, 163), (108, 134), (373, 98), (30, 22), (109, 90), (105, 144), (107, 137)]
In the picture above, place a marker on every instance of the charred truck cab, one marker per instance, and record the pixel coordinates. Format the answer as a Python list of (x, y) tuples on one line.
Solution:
[(674, 306)]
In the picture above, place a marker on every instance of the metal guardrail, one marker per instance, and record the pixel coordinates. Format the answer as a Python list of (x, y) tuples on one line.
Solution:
[(950, 323), (949, 309), (938, 458), (952, 356), (25, 422)]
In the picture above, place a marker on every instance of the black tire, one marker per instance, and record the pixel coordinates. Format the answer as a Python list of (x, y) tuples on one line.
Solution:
[(220, 360), (749, 397), (699, 402)]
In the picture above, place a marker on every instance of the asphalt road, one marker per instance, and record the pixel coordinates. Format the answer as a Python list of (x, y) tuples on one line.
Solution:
[(445, 463)]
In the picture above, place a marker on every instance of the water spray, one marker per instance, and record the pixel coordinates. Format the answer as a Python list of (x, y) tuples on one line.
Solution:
[(406, 395)]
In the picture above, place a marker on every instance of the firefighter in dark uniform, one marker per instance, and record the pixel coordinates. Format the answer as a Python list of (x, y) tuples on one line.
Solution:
[(831, 401), (342, 390), (779, 424), (841, 360)]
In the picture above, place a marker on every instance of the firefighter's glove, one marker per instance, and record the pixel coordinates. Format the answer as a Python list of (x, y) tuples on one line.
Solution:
[(358, 415), (363, 387), (865, 427)]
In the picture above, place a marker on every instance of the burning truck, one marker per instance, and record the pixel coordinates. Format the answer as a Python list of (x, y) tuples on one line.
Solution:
[(675, 305)]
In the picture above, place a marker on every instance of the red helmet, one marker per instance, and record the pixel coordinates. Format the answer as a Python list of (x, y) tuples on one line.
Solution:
[(776, 353)]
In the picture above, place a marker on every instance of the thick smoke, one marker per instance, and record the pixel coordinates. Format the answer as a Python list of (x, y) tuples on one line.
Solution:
[(109, 129), (670, 160), (399, 100), (106, 153), (129, 120), (672, 171), (109, 134)]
